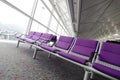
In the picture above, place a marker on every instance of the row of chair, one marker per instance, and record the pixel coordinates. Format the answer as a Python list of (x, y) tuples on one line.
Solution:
[(95, 57), (36, 38)]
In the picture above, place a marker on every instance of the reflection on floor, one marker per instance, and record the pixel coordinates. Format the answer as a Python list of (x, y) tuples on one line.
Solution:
[(17, 64)]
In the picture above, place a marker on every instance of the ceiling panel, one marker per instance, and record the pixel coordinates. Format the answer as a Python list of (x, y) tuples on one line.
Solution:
[(98, 18)]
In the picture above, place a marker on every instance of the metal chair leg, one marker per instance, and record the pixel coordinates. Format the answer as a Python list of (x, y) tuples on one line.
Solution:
[(30, 46), (49, 55), (18, 43), (35, 53), (87, 75)]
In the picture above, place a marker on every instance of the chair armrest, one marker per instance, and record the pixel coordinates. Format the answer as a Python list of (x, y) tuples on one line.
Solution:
[(18, 34), (91, 57)]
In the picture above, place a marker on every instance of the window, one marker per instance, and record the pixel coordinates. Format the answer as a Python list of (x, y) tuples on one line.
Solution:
[(47, 2), (59, 30), (24, 5), (11, 21), (37, 27), (56, 15), (53, 24), (42, 14), (51, 32)]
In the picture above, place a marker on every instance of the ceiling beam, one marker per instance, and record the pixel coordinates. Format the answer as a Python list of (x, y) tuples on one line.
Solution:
[(71, 6), (79, 15)]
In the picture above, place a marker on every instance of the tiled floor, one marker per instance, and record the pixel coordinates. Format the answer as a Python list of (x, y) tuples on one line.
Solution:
[(18, 64)]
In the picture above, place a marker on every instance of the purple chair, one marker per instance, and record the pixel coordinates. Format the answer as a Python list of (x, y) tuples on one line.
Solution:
[(45, 38), (23, 37), (29, 35), (108, 61), (34, 38), (81, 53), (63, 44), (17, 35), (81, 50)]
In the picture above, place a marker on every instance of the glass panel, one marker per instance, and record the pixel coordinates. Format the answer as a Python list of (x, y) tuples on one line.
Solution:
[(47, 2), (42, 14), (59, 30), (63, 10), (37, 27), (11, 21), (25, 5), (51, 32), (63, 32), (56, 15), (53, 24)]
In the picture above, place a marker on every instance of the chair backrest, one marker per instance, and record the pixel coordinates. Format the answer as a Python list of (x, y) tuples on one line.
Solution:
[(30, 34), (36, 36), (64, 43), (108, 59), (49, 39), (110, 53), (46, 36), (83, 48)]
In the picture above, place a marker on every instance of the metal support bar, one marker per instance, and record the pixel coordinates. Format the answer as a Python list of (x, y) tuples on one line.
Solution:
[(87, 75), (49, 22), (18, 43), (49, 55), (32, 15), (58, 15), (79, 15), (35, 53), (92, 75), (30, 46)]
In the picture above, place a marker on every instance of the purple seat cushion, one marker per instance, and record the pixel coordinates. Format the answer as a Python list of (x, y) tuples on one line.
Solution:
[(30, 34), (29, 40), (110, 53), (64, 42), (36, 36), (51, 49), (86, 51), (86, 43), (110, 47), (84, 47), (109, 57), (107, 70), (72, 57), (63, 45), (39, 42), (42, 40), (66, 39), (46, 36)]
